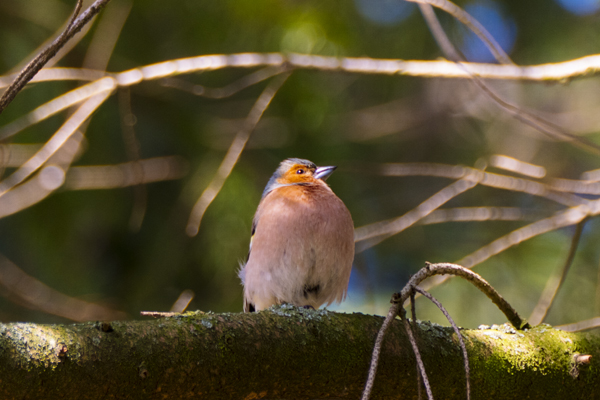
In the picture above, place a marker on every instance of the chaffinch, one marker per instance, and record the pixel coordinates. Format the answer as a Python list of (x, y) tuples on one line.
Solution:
[(302, 244)]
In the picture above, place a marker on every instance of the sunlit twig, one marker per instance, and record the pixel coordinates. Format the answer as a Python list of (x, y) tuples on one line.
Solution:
[(518, 166)]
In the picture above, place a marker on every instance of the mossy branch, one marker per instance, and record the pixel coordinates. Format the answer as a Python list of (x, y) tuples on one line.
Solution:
[(285, 353)]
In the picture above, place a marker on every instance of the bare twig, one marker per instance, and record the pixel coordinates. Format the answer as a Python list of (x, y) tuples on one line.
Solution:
[(419, 360), (392, 313), (556, 280), (37, 63), (58, 74), (456, 330), (585, 66), (469, 214), (413, 313), (58, 104), (233, 154)]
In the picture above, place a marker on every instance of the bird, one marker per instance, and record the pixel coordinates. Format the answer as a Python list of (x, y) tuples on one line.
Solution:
[(302, 241)]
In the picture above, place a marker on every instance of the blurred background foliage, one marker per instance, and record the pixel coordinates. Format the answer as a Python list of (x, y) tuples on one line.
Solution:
[(81, 243)]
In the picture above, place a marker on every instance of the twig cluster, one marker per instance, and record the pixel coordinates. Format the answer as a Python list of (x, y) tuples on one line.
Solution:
[(397, 308)]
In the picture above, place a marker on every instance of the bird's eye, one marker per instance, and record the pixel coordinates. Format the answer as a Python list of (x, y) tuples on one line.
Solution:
[(299, 171)]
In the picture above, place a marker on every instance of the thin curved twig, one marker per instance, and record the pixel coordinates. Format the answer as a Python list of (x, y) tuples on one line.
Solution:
[(419, 360), (461, 341), (414, 325), (466, 19)]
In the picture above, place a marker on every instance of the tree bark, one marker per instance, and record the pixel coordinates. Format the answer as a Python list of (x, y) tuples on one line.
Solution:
[(286, 353)]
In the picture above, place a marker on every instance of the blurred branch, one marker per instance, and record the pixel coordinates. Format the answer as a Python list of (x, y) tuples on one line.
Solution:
[(64, 50), (106, 35), (570, 216), (47, 180), (380, 231), (581, 325), (28, 291), (37, 63), (469, 214), (554, 283), (183, 301), (126, 174), (58, 74), (53, 144), (62, 102), (226, 91), (233, 154), (513, 165), (482, 177), (585, 66)]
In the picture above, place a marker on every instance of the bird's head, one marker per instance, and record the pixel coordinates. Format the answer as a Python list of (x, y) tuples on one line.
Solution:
[(296, 171)]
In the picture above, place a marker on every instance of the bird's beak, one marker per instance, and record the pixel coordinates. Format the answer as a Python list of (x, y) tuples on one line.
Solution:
[(323, 173)]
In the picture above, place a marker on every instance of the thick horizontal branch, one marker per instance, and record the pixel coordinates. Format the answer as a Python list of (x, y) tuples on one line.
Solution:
[(284, 353)]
